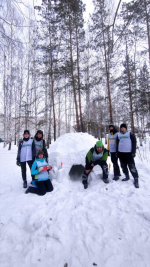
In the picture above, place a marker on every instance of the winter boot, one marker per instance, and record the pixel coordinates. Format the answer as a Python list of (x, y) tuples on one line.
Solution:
[(28, 190), (126, 179), (116, 178), (136, 182), (85, 185), (25, 184), (85, 180), (106, 181)]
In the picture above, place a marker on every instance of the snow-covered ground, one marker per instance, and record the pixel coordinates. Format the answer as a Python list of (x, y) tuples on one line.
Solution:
[(107, 225)]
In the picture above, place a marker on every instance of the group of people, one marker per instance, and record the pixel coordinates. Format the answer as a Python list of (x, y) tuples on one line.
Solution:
[(34, 153), (122, 146)]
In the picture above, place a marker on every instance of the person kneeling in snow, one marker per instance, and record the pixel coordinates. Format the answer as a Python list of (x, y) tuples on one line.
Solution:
[(40, 169), (96, 156)]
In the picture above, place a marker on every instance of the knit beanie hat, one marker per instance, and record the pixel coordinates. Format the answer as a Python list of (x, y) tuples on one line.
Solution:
[(40, 132), (99, 144), (111, 124), (123, 125), (40, 152), (26, 132)]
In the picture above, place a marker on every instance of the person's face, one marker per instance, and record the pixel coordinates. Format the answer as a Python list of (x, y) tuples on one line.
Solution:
[(26, 135), (123, 129), (40, 156), (111, 128), (99, 149), (39, 135)]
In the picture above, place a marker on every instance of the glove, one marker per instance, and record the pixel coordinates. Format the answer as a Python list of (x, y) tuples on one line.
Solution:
[(133, 155), (18, 163), (46, 160), (40, 169), (49, 167)]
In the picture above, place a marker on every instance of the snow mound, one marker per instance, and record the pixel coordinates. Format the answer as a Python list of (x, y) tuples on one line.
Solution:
[(68, 150)]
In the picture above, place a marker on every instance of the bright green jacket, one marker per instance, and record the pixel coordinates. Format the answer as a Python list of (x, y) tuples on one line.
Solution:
[(89, 156)]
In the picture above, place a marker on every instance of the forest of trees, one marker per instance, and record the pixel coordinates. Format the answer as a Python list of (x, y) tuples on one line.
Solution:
[(55, 67)]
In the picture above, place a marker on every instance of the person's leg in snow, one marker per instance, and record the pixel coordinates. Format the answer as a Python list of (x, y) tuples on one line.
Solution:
[(127, 161), (114, 160), (23, 171), (123, 162), (49, 186), (42, 188), (132, 168), (104, 167), (85, 179)]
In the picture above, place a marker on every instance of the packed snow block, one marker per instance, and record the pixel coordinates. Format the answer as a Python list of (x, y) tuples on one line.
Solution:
[(61, 173), (53, 173), (95, 173), (97, 170), (76, 172), (70, 150)]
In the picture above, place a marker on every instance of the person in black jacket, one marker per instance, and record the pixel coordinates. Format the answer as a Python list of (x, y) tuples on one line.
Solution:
[(39, 144), (25, 155), (126, 147), (112, 148)]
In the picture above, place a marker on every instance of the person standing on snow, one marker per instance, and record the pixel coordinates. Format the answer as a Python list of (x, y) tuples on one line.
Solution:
[(25, 155), (43, 183), (112, 148), (97, 155), (39, 143), (126, 142)]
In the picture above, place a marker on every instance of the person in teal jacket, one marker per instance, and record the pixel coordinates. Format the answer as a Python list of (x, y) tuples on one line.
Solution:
[(42, 183), (97, 155)]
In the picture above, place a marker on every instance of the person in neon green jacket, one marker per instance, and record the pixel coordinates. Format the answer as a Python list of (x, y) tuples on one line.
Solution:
[(97, 155)]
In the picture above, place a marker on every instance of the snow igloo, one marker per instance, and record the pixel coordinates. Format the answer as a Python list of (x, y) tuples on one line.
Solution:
[(67, 155)]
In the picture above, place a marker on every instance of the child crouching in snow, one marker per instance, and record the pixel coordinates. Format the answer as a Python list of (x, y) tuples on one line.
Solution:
[(40, 169)]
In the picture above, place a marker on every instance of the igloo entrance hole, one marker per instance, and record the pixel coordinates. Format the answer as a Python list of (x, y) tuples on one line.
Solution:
[(76, 172)]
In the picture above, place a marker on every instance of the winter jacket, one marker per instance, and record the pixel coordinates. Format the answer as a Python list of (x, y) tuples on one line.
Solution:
[(40, 176), (20, 147), (133, 143), (42, 146), (89, 155)]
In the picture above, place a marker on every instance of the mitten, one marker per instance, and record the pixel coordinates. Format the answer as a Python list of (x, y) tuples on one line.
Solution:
[(18, 163), (40, 169)]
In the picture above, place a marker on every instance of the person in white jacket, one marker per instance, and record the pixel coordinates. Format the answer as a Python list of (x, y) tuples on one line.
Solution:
[(112, 148), (25, 155)]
